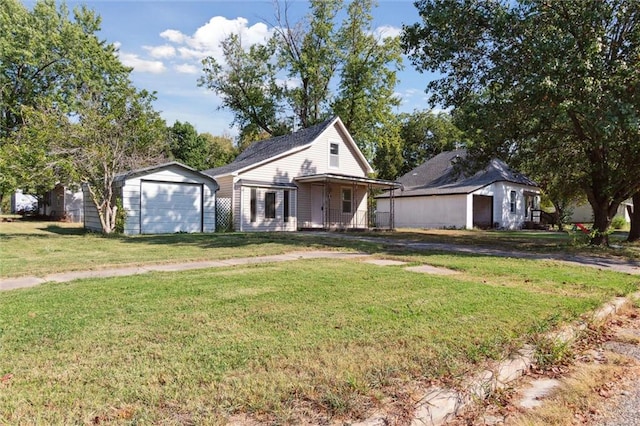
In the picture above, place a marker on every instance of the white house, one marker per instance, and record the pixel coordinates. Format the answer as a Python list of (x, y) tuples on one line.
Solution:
[(313, 178), (583, 213), (438, 194), (167, 198)]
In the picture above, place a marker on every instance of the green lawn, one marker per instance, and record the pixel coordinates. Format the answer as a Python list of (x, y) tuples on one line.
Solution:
[(39, 248), (314, 340)]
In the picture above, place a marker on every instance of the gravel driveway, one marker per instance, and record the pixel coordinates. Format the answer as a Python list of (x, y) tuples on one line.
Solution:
[(624, 409)]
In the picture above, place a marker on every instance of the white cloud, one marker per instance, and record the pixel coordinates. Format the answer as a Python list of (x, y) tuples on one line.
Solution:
[(205, 41), (142, 65), (386, 31), (173, 35), (163, 51), (187, 69)]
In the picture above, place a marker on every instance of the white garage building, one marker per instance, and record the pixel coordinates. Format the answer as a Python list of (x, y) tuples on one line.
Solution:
[(438, 194), (162, 199)]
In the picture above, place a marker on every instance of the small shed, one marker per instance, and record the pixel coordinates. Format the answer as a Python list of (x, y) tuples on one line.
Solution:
[(162, 199)]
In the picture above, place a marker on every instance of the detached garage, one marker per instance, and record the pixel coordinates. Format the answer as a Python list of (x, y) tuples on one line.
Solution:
[(163, 199)]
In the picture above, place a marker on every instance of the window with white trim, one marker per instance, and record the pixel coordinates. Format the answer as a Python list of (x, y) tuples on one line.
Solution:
[(253, 205), (334, 155), (512, 201), (270, 205), (285, 204)]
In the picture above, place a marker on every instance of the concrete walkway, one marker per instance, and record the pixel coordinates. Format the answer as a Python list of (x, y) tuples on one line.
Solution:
[(618, 265), (31, 281)]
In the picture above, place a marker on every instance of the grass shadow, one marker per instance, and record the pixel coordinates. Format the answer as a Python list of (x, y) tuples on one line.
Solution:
[(60, 230)]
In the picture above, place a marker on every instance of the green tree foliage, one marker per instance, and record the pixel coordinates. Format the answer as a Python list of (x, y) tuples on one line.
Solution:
[(367, 78), (425, 134), (110, 133), (542, 79), (314, 55), (46, 58), (308, 53), (199, 151), (68, 111)]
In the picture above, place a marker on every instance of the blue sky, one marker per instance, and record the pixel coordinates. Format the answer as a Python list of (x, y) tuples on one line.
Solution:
[(165, 41)]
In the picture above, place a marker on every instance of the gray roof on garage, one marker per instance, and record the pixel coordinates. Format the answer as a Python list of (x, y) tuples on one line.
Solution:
[(441, 175)]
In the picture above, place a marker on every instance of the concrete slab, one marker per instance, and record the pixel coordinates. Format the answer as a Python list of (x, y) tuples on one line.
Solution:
[(385, 262), (539, 389), (428, 269), (22, 282)]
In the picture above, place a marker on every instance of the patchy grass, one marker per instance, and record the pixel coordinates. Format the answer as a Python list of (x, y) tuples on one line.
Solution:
[(39, 248), (313, 340), (525, 240)]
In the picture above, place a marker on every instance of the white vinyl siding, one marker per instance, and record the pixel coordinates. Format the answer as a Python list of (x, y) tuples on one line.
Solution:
[(456, 211), (171, 175), (91, 218), (262, 222), (312, 159)]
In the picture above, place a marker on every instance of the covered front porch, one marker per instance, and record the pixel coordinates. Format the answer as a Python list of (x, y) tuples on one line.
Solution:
[(341, 202)]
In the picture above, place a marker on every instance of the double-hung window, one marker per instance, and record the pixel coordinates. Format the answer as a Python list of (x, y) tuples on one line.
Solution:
[(334, 157), (346, 200), (512, 201), (270, 205)]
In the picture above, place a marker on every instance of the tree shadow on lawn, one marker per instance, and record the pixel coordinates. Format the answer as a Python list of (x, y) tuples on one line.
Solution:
[(240, 239), (60, 230)]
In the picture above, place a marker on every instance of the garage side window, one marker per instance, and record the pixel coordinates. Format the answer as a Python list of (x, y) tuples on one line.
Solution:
[(512, 201), (270, 205), (254, 206)]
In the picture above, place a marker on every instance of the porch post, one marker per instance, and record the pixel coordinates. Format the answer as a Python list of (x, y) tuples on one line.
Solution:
[(392, 208), (354, 224)]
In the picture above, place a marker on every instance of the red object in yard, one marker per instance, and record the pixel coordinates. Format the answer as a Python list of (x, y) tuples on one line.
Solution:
[(582, 228)]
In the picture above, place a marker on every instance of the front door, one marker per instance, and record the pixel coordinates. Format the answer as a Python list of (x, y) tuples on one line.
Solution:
[(317, 206)]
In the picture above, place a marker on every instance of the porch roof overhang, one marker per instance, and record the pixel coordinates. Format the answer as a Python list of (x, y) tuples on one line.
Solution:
[(338, 178)]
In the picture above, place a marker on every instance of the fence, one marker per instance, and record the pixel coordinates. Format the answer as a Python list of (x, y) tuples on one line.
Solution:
[(224, 215)]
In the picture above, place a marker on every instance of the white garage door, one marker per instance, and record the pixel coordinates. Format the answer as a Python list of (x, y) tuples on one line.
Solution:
[(168, 207)]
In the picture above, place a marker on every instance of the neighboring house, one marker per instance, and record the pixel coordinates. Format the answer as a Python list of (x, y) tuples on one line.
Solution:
[(583, 213), (62, 203), (313, 178), (437, 194), (23, 203), (162, 199)]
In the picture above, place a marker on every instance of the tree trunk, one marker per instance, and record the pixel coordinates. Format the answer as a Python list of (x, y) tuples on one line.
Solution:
[(602, 215), (558, 215), (634, 232)]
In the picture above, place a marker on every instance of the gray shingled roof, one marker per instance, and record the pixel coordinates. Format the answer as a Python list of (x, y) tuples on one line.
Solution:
[(439, 176), (269, 148)]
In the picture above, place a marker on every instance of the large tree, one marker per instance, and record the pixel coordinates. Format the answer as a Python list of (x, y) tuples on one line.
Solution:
[(314, 55), (550, 79), (199, 151), (425, 134), (110, 133), (46, 58)]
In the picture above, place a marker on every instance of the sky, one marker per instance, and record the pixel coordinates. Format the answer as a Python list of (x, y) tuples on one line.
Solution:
[(165, 41)]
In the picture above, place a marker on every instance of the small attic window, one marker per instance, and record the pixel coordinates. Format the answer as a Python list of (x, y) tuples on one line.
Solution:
[(334, 159)]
